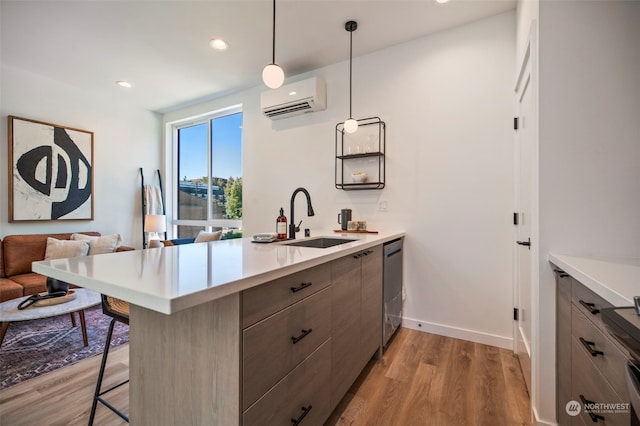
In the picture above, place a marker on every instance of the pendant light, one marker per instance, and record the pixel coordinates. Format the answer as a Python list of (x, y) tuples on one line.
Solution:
[(350, 125), (272, 74)]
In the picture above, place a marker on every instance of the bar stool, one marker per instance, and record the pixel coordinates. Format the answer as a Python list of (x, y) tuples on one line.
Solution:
[(118, 310)]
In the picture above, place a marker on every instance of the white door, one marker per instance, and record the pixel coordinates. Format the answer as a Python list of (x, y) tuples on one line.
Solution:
[(524, 159)]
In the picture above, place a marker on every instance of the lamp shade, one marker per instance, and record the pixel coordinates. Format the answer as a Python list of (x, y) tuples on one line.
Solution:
[(273, 76), (155, 223), (350, 126)]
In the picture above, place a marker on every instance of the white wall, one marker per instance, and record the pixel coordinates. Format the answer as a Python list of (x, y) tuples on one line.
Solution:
[(446, 100), (125, 138), (589, 142), (589, 135)]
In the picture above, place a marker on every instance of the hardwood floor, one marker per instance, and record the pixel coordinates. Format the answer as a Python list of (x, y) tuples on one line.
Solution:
[(423, 379), (64, 396)]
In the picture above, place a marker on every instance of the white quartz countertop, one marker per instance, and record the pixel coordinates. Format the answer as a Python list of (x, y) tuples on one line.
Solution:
[(171, 279), (615, 280)]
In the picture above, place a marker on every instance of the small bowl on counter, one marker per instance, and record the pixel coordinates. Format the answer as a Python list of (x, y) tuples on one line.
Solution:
[(359, 177)]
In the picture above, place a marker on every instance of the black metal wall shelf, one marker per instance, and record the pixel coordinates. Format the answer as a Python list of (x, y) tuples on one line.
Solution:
[(368, 154), (362, 151), (360, 186)]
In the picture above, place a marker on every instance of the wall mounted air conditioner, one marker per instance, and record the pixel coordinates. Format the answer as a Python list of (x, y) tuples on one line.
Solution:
[(296, 98)]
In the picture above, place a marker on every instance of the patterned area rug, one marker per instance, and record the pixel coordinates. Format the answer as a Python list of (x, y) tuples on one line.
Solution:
[(32, 348)]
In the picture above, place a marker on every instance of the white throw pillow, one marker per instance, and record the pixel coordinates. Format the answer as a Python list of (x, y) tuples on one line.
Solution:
[(100, 245), (61, 249), (204, 236)]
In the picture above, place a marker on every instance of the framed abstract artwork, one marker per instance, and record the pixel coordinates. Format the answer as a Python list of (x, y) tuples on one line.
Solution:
[(50, 172)]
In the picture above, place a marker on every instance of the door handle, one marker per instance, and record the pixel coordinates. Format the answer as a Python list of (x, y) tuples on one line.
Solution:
[(525, 243)]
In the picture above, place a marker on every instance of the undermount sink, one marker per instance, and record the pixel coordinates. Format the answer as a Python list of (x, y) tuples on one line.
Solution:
[(322, 242)]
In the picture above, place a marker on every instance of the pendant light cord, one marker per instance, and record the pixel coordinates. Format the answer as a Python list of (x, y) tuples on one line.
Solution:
[(273, 50), (350, 69), (351, 26)]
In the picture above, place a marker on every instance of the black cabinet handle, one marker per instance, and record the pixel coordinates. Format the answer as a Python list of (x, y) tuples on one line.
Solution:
[(561, 273), (300, 287), (364, 253), (585, 403), (304, 334), (305, 411), (590, 307), (588, 346)]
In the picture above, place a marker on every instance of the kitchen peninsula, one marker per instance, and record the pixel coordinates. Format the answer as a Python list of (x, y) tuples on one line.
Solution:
[(234, 332)]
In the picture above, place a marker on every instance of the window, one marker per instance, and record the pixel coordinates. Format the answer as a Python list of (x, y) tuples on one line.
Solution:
[(208, 175)]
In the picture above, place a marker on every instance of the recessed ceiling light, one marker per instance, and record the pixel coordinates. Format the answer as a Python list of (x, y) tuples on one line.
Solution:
[(292, 93), (442, 1), (123, 83), (218, 43)]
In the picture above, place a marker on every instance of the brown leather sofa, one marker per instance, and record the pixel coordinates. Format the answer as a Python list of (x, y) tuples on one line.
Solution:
[(17, 252)]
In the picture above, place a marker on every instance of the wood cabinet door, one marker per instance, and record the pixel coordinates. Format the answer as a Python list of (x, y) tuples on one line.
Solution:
[(371, 304), (264, 300), (302, 395), (269, 349), (563, 346), (587, 382), (345, 325)]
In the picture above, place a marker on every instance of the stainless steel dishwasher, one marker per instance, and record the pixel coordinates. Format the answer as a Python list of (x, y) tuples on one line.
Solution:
[(392, 288)]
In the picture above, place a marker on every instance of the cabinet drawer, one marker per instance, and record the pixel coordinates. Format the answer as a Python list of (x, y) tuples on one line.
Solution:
[(261, 301), (563, 346), (588, 382), (274, 346), (306, 388), (589, 303), (611, 362)]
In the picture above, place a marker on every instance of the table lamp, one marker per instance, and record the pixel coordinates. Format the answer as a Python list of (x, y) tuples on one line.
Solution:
[(154, 224)]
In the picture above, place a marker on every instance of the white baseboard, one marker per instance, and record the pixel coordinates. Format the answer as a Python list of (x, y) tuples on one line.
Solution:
[(459, 333), (540, 422)]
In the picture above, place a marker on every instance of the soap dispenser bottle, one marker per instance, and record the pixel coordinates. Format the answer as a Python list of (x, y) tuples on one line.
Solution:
[(281, 225)]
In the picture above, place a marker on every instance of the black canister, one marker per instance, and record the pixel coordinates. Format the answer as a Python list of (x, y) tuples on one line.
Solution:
[(344, 217)]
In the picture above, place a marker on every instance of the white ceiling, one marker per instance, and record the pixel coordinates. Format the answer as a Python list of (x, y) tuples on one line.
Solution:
[(161, 47)]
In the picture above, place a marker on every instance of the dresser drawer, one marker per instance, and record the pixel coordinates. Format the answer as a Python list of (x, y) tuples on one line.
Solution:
[(305, 389), (611, 362), (261, 301), (275, 345), (589, 303), (589, 383)]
